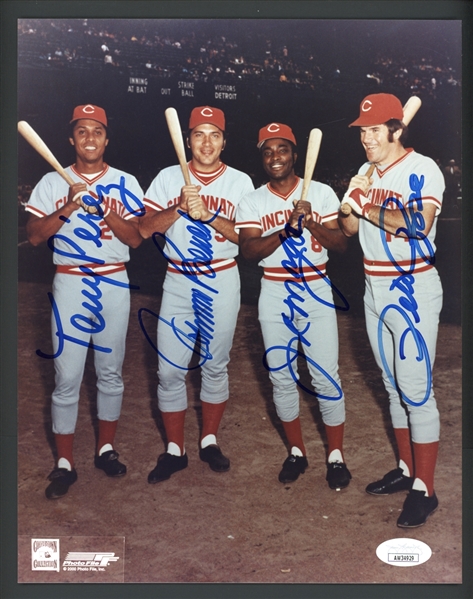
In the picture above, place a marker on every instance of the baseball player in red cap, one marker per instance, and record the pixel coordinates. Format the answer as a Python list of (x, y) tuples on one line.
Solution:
[(395, 212), (289, 238), (91, 297), (201, 291)]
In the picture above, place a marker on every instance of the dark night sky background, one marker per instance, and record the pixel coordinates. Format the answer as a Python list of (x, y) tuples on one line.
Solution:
[(140, 142)]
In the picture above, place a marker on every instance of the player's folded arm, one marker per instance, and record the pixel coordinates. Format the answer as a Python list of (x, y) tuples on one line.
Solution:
[(39, 228), (329, 235), (225, 227), (127, 231), (253, 246), (154, 220), (405, 222)]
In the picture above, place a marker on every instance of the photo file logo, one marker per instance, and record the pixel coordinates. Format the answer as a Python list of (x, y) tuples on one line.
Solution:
[(89, 558)]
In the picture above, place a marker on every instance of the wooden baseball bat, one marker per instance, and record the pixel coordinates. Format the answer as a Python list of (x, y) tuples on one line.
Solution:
[(313, 147), (409, 110), (38, 144), (175, 132)]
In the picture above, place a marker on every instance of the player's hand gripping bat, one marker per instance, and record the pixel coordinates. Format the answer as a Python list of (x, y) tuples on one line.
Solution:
[(175, 132), (38, 144), (409, 111)]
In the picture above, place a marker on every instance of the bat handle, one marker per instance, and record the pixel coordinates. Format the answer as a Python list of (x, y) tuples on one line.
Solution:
[(346, 208), (194, 214), (370, 171), (187, 181)]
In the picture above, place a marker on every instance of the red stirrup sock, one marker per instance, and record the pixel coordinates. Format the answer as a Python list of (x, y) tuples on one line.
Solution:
[(335, 442), (107, 430), (403, 440), (425, 458), (294, 434), (64, 445), (211, 416), (174, 425)]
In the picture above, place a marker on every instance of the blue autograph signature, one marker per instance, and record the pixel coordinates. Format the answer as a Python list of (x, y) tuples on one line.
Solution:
[(92, 280), (415, 225), (125, 193), (293, 244), (197, 268), (91, 325)]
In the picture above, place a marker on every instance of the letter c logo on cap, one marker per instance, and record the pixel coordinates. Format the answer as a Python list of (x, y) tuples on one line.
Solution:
[(206, 112), (273, 127), (89, 109), (365, 107)]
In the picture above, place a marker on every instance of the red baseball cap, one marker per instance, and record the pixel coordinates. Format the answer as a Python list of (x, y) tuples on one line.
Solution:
[(377, 109), (207, 114), (89, 111), (274, 130)]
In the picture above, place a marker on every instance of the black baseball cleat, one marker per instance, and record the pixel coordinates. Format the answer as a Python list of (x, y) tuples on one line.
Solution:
[(338, 475), (416, 509), (392, 482), (292, 467), (212, 454), (166, 466), (108, 462), (61, 479)]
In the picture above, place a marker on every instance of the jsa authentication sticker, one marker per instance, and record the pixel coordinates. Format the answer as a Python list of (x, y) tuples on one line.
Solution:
[(403, 552)]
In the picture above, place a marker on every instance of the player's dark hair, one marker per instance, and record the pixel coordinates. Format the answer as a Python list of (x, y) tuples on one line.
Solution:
[(394, 125)]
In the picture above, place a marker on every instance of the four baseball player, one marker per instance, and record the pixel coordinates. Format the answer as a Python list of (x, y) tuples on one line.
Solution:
[(395, 213)]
